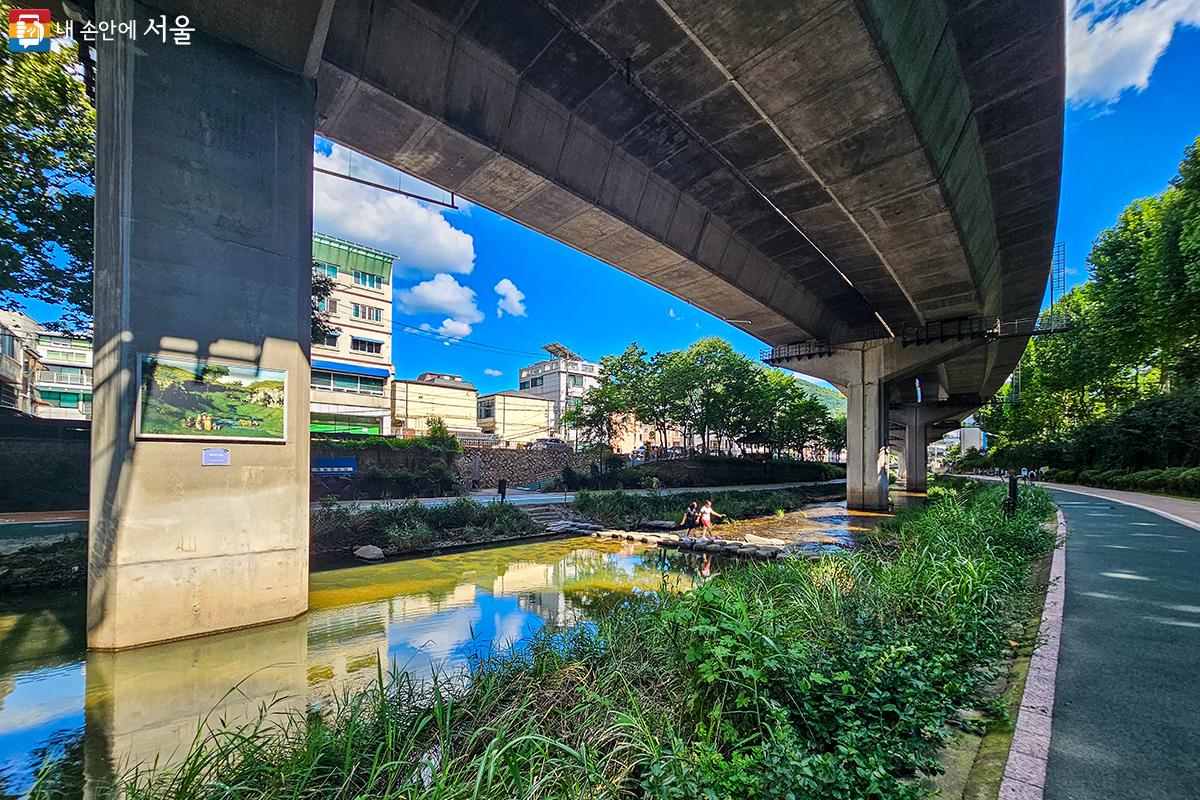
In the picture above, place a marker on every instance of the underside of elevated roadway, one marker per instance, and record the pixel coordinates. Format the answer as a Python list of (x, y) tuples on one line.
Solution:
[(847, 174), (835, 170)]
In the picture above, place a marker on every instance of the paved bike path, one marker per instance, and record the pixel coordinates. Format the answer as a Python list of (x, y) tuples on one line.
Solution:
[(1126, 720)]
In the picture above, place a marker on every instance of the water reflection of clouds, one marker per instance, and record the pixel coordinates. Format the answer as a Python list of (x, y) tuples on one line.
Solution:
[(450, 641), (36, 707), (442, 613)]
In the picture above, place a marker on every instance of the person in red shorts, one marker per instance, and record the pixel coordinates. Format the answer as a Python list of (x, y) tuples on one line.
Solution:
[(707, 512)]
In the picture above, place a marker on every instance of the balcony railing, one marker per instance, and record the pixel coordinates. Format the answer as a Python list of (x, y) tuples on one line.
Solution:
[(80, 411), (11, 368), (63, 378)]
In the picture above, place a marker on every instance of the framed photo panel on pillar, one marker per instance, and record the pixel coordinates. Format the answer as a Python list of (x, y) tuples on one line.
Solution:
[(185, 398)]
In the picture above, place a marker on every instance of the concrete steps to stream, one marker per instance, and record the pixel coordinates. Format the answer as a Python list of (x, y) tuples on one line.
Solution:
[(560, 519)]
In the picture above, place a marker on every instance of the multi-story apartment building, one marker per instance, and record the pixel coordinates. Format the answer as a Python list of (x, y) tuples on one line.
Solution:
[(563, 379), (352, 366), (516, 418), (44, 373), (436, 394), (63, 381), (18, 361)]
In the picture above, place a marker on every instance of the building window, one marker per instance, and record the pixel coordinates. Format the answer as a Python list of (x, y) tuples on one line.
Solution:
[(537, 382), (368, 280), (328, 270), (369, 313), (333, 423), (486, 410), (340, 382), (63, 355), (63, 399), (56, 341), (328, 305), (524, 384), (365, 346), (328, 340), (574, 380)]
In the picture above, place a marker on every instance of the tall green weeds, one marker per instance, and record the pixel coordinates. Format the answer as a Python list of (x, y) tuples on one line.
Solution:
[(404, 526), (828, 679)]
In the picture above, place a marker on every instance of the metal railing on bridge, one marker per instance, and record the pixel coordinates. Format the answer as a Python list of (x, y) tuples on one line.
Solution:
[(983, 328)]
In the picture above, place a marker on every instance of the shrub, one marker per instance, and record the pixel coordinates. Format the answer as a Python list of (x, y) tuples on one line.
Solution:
[(802, 680), (726, 471), (622, 509), (412, 525)]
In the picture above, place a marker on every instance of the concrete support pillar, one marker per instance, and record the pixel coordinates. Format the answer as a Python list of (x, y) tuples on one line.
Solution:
[(866, 435), (138, 710), (916, 452), (203, 252)]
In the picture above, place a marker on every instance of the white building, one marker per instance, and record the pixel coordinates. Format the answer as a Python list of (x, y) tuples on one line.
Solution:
[(18, 361), (43, 372), (63, 384), (352, 365), (563, 379)]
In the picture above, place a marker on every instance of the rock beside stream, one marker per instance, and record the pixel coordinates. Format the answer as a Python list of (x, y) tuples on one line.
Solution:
[(369, 552), (61, 565)]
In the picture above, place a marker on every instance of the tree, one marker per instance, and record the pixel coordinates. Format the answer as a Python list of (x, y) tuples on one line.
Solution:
[(834, 435), (1108, 391), (211, 373), (708, 389), (322, 288), (601, 416), (47, 182)]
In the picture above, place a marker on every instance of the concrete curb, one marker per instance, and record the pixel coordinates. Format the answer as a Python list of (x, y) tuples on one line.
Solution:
[(1025, 772)]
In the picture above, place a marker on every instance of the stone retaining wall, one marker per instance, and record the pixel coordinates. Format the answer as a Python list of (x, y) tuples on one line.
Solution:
[(515, 466), (44, 474)]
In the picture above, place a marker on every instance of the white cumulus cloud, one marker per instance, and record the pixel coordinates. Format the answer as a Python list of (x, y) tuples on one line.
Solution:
[(416, 232), (495, 373), (1113, 47), (441, 294), (450, 328), (512, 299)]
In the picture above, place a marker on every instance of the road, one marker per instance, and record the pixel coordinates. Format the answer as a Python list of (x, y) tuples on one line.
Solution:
[(1126, 720)]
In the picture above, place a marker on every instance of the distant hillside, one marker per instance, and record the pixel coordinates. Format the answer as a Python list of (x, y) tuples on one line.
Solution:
[(830, 398)]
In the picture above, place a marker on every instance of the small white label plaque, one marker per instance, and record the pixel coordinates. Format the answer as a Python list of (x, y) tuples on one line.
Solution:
[(215, 457)]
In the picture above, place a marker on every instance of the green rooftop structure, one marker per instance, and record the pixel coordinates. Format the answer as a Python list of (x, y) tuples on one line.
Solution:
[(352, 256)]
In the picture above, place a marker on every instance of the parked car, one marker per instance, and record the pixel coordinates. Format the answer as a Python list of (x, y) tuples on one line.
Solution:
[(551, 444)]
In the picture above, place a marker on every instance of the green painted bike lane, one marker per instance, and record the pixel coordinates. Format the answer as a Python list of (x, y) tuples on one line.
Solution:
[(1126, 720)]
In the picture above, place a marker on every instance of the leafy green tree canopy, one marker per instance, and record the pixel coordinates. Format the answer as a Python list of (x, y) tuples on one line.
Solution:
[(47, 185)]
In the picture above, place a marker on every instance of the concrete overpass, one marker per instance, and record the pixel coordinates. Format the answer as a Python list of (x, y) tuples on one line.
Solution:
[(846, 181)]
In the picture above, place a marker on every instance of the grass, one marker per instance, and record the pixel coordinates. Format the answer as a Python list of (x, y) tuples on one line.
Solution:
[(411, 526), (830, 679), (622, 509)]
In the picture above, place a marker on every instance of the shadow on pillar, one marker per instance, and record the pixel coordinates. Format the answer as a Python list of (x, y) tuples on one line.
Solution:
[(203, 251)]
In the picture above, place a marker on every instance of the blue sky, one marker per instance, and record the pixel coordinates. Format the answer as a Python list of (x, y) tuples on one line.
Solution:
[(1122, 142), (1132, 108)]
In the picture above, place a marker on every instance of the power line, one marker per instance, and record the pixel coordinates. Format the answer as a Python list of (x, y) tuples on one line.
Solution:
[(424, 334)]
